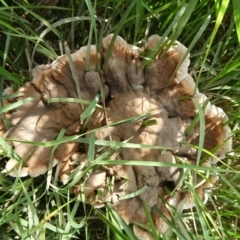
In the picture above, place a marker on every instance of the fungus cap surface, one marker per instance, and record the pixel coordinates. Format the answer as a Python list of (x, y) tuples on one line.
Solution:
[(163, 92)]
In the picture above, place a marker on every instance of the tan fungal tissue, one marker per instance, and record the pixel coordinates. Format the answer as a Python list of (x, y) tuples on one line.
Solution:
[(163, 90)]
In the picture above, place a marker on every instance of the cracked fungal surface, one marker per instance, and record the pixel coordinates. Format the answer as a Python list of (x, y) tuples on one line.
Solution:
[(163, 91)]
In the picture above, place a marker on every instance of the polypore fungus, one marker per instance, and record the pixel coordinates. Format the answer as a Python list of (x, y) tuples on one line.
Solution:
[(162, 90)]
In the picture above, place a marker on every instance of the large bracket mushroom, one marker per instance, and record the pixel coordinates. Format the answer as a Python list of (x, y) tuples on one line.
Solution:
[(162, 91)]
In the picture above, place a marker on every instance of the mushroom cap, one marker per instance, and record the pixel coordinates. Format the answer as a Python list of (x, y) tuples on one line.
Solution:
[(161, 97)]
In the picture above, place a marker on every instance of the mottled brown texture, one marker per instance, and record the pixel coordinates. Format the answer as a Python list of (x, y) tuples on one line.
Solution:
[(41, 121), (164, 89)]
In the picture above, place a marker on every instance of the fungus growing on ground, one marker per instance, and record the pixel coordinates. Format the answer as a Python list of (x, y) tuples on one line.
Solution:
[(163, 96)]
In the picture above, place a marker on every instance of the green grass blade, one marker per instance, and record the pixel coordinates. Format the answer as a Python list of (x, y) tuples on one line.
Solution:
[(112, 226), (121, 222), (202, 131), (17, 104), (236, 7)]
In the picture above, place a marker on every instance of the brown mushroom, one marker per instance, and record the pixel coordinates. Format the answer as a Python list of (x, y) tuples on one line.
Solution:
[(40, 121), (164, 91)]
